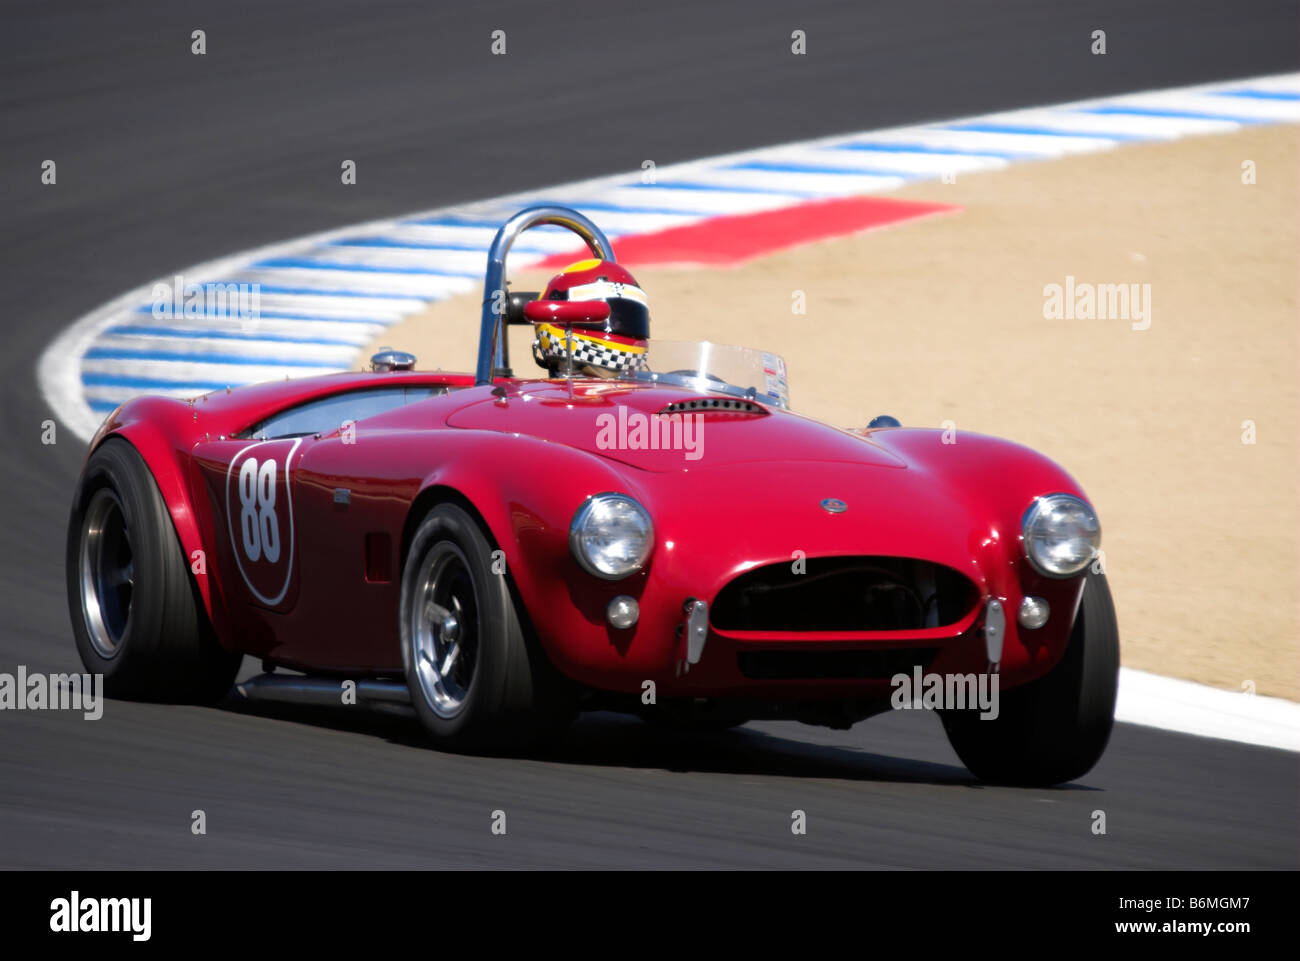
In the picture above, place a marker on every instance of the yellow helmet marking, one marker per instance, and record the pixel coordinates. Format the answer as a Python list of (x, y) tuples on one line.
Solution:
[(550, 332), (581, 265)]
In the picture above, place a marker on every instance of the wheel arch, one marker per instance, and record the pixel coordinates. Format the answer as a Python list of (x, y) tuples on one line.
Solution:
[(429, 498), (151, 426), (524, 512)]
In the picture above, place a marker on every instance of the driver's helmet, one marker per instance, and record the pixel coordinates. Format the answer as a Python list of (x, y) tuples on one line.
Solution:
[(620, 348)]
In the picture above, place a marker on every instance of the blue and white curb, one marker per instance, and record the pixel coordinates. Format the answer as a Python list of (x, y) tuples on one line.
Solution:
[(323, 297)]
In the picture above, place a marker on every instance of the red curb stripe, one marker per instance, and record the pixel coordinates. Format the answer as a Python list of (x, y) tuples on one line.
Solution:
[(730, 240)]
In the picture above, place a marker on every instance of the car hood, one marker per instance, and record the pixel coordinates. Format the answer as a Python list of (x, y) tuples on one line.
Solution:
[(768, 482), (667, 429)]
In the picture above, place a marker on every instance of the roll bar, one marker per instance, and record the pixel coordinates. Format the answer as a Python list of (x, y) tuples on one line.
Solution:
[(492, 351)]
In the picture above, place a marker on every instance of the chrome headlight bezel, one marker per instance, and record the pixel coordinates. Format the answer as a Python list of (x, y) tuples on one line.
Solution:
[(578, 533), (1031, 539)]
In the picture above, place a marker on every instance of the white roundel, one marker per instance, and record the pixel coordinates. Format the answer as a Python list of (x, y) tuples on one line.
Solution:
[(259, 515)]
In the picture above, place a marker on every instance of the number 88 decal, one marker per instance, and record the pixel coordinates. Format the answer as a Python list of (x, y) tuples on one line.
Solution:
[(257, 518)]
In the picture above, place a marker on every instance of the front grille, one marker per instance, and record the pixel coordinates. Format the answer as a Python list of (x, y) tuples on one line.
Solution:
[(844, 594), (832, 665)]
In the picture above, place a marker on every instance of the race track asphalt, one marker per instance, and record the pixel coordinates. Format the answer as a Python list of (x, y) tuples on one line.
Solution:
[(165, 159)]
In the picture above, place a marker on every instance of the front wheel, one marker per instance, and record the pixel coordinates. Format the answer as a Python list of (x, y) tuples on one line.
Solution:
[(477, 679), (136, 613), (1054, 729)]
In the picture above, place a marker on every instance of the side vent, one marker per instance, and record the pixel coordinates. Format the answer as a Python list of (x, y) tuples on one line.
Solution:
[(726, 405)]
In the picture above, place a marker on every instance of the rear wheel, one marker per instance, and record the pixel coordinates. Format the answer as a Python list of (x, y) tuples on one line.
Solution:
[(477, 679), (1054, 729), (136, 614)]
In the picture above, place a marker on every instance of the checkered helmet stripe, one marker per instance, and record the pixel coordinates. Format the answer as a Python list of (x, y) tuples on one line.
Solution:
[(604, 354)]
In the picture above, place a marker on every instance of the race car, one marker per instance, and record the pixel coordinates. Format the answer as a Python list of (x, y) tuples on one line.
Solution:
[(646, 526)]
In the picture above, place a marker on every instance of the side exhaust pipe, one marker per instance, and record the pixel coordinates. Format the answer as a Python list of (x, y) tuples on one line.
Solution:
[(387, 696)]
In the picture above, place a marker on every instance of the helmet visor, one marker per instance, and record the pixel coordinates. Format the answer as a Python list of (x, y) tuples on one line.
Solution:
[(628, 318)]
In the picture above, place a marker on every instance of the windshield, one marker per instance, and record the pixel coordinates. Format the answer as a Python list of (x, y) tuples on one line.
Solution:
[(720, 368)]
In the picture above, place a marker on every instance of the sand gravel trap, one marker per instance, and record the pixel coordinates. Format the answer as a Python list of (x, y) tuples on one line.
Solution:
[(943, 319)]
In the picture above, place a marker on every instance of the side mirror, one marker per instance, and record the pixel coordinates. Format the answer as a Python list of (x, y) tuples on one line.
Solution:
[(567, 313)]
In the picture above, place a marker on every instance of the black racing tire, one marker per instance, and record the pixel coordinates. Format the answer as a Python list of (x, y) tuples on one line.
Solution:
[(137, 616), (1054, 729), (501, 691)]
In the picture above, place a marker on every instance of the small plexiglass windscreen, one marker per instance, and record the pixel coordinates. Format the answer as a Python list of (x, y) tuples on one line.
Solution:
[(718, 368)]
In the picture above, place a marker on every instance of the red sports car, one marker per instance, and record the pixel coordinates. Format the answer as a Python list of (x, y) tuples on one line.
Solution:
[(664, 537)]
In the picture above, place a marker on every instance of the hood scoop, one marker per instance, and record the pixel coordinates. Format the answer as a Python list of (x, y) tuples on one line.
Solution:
[(725, 405), (654, 429)]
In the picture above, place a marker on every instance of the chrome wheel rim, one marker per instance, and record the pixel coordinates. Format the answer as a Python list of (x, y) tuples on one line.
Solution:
[(444, 626), (107, 573)]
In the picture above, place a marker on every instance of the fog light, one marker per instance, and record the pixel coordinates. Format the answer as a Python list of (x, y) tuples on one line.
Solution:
[(622, 612), (1033, 613)]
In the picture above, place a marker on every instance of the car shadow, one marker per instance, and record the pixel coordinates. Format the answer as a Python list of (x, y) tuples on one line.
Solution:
[(615, 740), (621, 741)]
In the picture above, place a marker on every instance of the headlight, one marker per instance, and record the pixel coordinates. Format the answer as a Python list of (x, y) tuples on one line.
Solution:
[(1061, 534), (611, 536)]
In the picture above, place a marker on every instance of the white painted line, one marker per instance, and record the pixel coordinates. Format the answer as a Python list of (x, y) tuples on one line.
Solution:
[(1278, 83), (412, 289), (1242, 109), (304, 330), (407, 258), (662, 197), (866, 161), (199, 371), (1189, 708), (119, 395), (476, 239), (252, 347), (1119, 125), (379, 308), (805, 183)]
